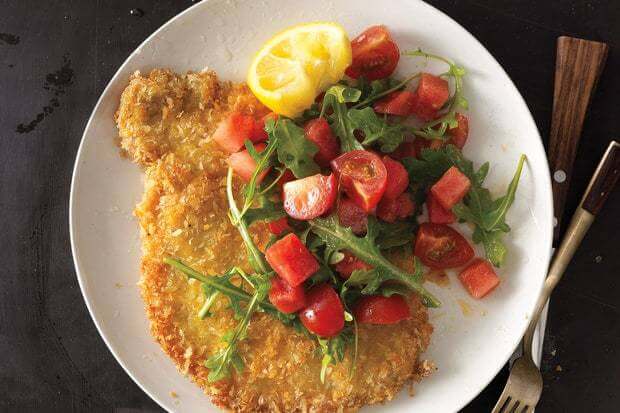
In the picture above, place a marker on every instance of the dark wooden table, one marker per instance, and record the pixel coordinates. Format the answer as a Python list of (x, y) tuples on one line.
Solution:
[(55, 59)]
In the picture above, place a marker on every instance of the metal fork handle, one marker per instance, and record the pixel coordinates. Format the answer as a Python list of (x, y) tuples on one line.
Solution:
[(601, 184)]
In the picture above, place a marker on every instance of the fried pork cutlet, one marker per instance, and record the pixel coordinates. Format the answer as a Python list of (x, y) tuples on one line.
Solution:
[(165, 122)]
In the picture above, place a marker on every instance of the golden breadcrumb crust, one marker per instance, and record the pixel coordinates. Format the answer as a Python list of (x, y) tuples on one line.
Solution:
[(165, 121)]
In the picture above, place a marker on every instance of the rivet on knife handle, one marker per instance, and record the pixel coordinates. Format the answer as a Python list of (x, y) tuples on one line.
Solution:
[(578, 66)]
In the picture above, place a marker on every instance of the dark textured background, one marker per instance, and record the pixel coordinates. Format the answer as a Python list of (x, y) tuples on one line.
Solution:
[(56, 56)]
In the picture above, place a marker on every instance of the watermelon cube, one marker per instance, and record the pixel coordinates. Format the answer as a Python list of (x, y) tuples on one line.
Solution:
[(451, 188), (479, 278), (291, 260)]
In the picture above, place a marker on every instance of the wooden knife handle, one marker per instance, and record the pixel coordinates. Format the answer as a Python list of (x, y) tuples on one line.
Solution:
[(577, 68), (603, 180)]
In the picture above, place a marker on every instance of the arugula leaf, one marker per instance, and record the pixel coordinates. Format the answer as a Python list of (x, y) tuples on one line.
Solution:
[(338, 237), (312, 112), (455, 102), (488, 215), (267, 210), (218, 283), (433, 163), (336, 99), (255, 257), (495, 217), (376, 129), (333, 349), (221, 363), (477, 207), (211, 295), (397, 234), (294, 150), (377, 89)]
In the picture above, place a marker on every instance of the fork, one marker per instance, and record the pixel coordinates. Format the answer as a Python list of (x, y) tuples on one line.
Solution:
[(525, 384)]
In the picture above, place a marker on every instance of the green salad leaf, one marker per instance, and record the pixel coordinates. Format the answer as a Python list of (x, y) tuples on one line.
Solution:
[(376, 129), (365, 248), (266, 210), (336, 99), (333, 349), (437, 128), (377, 89), (395, 234), (294, 150), (478, 206), (487, 214)]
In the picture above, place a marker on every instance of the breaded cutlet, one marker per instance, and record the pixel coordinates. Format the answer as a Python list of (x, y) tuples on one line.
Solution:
[(165, 121)]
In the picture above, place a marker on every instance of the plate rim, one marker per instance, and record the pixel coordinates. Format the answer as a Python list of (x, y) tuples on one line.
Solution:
[(74, 178)]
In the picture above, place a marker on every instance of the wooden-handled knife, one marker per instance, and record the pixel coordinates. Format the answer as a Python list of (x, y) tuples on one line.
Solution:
[(578, 66)]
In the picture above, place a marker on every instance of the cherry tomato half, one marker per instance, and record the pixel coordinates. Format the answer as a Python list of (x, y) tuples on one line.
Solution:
[(363, 177), (375, 54), (439, 247), (324, 313), (310, 197), (377, 309), (286, 177)]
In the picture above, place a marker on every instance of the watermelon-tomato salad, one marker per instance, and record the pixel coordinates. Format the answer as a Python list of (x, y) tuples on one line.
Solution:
[(342, 184)]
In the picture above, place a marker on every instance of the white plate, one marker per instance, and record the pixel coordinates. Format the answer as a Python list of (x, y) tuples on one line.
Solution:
[(222, 35)]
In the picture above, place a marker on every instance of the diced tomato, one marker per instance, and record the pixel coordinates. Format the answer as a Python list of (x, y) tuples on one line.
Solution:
[(391, 210), (438, 214), (479, 278), (285, 297), (318, 131), (397, 178), (351, 215), (399, 103), (451, 188), (290, 258), (458, 135), (279, 226), (259, 134), (405, 150), (363, 177), (324, 313), (432, 92), (310, 197), (375, 54), (377, 309), (244, 165), (439, 247), (233, 131), (349, 264)]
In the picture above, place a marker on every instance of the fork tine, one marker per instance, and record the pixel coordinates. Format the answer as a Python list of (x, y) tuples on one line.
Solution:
[(512, 407), (501, 403)]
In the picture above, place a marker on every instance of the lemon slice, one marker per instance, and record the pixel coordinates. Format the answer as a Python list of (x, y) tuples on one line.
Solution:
[(297, 64)]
